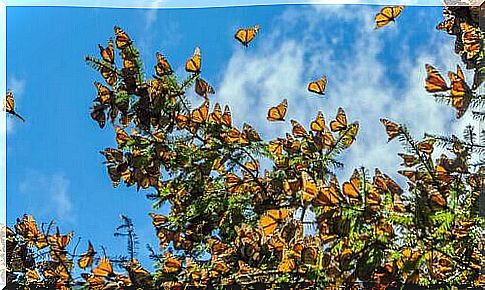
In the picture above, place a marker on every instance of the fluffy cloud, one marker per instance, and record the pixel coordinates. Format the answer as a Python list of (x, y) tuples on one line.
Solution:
[(281, 64), (55, 188)]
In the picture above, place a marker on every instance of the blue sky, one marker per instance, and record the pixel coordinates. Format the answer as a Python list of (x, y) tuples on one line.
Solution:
[(54, 170)]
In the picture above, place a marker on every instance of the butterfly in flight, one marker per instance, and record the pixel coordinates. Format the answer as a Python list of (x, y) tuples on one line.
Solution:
[(318, 86), (387, 15), (278, 113), (9, 106), (434, 81), (246, 35)]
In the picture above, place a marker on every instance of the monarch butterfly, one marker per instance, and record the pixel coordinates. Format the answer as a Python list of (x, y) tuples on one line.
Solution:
[(460, 92), (109, 75), (246, 35), (436, 198), (216, 115), (104, 268), (200, 114), (426, 146), (340, 122), (219, 267), (108, 53), (158, 219), (471, 39), (352, 188), (27, 228), (329, 195), (87, 258), (250, 133), (379, 182), (327, 139), (194, 63), (32, 276), (58, 241), (286, 265), (103, 95), (386, 15), (9, 106), (408, 160), (278, 113), (318, 125), (318, 86), (122, 38), (171, 265), (163, 67), (309, 188), (182, 121), (309, 255), (434, 81), (392, 129), (233, 182), (137, 274), (298, 129), (448, 25), (232, 136), (270, 221), (121, 137), (227, 117), (164, 237), (413, 175), (349, 137), (275, 147), (202, 88), (291, 145)]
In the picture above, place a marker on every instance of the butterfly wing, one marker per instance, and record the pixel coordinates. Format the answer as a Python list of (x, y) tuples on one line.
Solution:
[(318, 87), (227, 117), (104, 268), (434, 81), (108, 53), (163, 66), (246, 35), (122, 38), (202, 88), (318, 125), (340, 122), (352, 188), (200, 114), (193, 65), (387, 15), (278, 113), (392, 129), (87, 258)]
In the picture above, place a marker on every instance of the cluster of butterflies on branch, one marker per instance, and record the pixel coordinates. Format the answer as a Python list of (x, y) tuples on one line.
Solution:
[(463, 24), (47, 259), (233, 223)]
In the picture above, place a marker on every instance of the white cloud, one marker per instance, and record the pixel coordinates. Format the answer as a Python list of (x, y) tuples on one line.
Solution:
[(280, 66), (54, 189)]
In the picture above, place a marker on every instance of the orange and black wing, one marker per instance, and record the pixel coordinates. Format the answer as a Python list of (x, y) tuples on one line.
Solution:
[(278, 113)]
